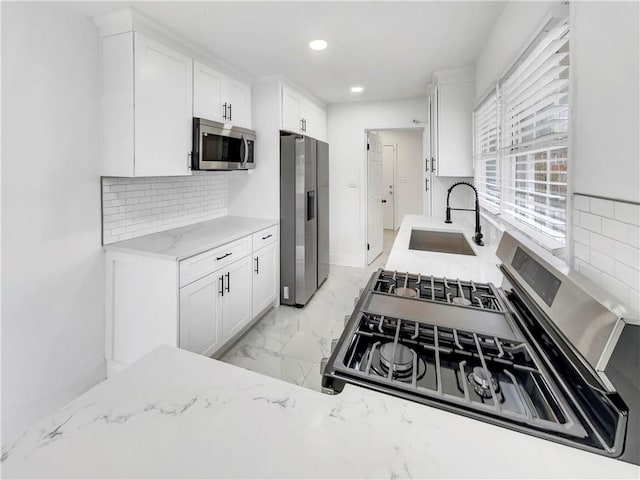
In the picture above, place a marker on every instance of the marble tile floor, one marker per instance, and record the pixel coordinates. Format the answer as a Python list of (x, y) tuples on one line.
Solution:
[(288, 342)]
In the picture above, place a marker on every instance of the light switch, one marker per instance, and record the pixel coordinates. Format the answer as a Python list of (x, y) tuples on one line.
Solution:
[(352, 183), (402, 179)]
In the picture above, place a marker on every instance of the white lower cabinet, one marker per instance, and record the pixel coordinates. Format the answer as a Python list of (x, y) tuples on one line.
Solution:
[(200, 304), (200, 313), (214, 308), (236, 297), (265, 288)]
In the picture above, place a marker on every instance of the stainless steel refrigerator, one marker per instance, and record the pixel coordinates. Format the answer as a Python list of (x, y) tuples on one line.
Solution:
[(304, 217)]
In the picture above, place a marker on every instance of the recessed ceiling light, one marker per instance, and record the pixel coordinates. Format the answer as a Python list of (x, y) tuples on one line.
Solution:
[(357, 89), (317, 45)]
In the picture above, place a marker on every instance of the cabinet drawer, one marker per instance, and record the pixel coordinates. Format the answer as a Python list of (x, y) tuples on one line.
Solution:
[(197, 267), (265, 237)]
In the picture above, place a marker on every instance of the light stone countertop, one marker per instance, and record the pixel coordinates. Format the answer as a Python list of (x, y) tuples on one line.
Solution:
[(479, 268), (184, 242), (174, 414)]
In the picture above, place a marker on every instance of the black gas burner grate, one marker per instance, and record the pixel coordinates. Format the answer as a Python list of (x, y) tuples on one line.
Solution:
[(455, 292), (482, 372)]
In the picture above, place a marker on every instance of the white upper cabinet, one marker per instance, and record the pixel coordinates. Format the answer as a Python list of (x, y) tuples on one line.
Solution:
[(451, 107), (301, 115), (238, 97), (146, 107), (291, 111), (207, 93), (219, 97)]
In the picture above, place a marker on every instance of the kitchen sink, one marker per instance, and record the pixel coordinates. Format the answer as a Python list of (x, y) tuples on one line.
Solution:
[(443, 242)]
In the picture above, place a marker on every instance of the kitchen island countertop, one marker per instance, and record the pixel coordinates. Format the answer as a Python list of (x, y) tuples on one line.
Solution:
[(174, 414)]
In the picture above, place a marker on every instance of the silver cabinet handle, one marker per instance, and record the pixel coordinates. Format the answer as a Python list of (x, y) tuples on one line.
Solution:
[(257, 264), (221, 292), (229, 112), (228, 281)]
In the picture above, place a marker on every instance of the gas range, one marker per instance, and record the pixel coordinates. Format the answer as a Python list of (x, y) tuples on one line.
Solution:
[(540, 355)]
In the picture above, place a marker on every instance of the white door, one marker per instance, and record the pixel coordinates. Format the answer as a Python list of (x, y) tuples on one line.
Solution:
[(375, 192), (290, 111), (207, 93), (200, 325), (236, 302), (238, 96), (264, 279), (163, 109), (389, 186)]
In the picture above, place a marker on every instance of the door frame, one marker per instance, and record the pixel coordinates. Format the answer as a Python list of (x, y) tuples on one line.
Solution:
[(395, 179), (364, 173)]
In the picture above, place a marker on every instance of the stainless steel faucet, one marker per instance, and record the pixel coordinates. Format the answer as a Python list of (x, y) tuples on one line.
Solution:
[(477, 238)]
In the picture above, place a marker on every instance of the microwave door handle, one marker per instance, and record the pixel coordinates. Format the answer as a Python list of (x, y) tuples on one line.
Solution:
[(245, 156)]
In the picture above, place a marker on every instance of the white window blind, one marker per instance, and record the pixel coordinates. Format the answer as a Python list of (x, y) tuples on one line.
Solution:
[(534, 143), (486, 146)]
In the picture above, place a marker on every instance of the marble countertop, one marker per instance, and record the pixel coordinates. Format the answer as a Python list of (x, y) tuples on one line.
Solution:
[(174, 414), (183, 242), (480, 268)]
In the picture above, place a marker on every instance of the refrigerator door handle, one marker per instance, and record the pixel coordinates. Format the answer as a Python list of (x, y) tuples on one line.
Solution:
[(311, 205)]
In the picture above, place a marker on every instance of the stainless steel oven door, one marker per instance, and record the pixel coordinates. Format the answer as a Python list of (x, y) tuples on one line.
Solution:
[(223, 148)]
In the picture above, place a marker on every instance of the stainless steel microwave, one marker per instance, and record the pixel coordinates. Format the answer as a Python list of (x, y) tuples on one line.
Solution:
[(217, 146)]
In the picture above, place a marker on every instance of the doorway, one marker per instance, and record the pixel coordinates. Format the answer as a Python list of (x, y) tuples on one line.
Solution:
[(395, 182), (389, 186)]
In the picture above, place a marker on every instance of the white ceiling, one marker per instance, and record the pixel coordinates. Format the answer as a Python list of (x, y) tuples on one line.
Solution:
[(391, 48)]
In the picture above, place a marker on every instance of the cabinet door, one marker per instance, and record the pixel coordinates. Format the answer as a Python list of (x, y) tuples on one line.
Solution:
[(236, 302), (434, 131), (455, 154), (291, 105), (163, 109), (238, 95), (200, 311), (315, 120), (207, 93), (265, 289)]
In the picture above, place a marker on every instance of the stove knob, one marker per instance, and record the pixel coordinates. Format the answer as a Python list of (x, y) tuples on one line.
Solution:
[(346, 319), (334, 342)]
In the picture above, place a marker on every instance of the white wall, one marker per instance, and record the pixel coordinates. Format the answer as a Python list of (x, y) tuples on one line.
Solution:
[(517, 25), (257, 193), (409, 167), (605, 53), (346, 124), (52, 270)]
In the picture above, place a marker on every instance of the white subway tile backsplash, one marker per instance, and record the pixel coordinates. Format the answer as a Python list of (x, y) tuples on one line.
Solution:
[(627, 274), (580, 202), (606, 245), (601, 207), (581, 235), (133, 207), (601, 261), (627, 212), (581, 251), (590, 222), (600, 242), (588, 271), (615, 287), (615, 229)]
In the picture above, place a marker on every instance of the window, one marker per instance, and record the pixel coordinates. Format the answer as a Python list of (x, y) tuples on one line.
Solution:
[(525, 177), (487, 167)]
